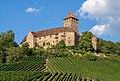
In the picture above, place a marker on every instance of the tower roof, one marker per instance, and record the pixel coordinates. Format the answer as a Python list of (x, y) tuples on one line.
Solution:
[(70, 15)]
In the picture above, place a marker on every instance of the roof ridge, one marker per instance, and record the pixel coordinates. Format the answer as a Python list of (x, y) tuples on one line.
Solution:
[(48, 29), (71, 15)]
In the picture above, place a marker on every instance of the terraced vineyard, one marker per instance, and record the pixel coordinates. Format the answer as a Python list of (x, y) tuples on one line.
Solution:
[(103, 71), (34, 63), (39, 76), (20, 76), (34, 69)]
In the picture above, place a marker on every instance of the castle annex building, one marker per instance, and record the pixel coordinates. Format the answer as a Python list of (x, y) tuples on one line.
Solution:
[(68, 33)]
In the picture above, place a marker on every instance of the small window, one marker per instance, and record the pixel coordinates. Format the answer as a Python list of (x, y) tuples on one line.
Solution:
[(68, 37), (69, 42), (57, 41), (63, 36), (56, 37)]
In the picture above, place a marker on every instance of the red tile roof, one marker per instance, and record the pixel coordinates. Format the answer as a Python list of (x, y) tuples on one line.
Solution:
[(52, 31), (70, 15)]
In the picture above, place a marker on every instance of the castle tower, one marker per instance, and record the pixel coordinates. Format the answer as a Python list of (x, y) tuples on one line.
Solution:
[(71, 21)]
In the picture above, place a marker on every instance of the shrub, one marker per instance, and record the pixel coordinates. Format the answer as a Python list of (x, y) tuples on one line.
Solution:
[(89, 57)]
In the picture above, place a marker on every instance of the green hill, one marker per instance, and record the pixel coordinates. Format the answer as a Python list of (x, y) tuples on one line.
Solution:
[(108, 71), (34, 68), (37, 68)]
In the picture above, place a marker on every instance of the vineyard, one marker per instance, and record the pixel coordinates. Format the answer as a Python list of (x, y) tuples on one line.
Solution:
[(34, 63), (103, 71), (37, 68), (34, 69), (39, 76)]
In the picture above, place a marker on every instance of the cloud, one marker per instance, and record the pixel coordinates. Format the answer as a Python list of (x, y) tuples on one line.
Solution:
[(106, 13), (99, 29), (33, 10)]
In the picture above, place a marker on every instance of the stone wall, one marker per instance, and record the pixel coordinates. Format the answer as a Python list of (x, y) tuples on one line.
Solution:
[(30, 40), (68, 37), (94, 41), (72, 23)]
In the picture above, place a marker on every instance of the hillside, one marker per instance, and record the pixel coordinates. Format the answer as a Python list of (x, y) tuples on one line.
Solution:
[(34, 68), (108, 71), (60, 62)]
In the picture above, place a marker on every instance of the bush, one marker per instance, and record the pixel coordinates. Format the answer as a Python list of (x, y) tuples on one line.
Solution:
[(89, 57), (79, 52)]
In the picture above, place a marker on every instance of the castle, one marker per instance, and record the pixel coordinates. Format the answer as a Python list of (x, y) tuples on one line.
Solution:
[(68, 33)]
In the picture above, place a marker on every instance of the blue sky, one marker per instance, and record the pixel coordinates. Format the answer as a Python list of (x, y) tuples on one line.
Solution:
[(24, 15)]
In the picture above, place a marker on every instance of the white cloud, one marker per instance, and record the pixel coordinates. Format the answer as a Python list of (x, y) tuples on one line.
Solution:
[(106, 13), (99, 29), (33, 10)]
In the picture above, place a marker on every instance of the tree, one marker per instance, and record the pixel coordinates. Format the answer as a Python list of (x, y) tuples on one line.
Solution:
[(6, 41), (85, 41), (26, 50), (13, 54), (61, 44), (117, 48), (108, 47)]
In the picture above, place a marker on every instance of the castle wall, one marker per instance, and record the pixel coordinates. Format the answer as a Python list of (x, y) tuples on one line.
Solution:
[(50, 40), (76, 39), (94, 41), (69, 39), (30, 40)]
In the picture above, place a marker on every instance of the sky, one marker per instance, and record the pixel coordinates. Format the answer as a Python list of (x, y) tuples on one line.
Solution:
[(101, 17)]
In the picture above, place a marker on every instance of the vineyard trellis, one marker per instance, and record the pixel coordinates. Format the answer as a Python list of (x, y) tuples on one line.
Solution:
[(29, 64), (107, 71), (32, 69)]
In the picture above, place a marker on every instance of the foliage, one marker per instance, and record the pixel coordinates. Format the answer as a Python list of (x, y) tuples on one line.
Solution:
[(13, 54), (6, 41), (89, 57), (26, 50), (108, 47), (61, 44), (85, 41), (57, 53)]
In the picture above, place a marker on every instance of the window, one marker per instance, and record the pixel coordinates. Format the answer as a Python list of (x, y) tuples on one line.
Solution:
[(63, 35), (56, 37), (57, 41), (68, 37), (68, 41)]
